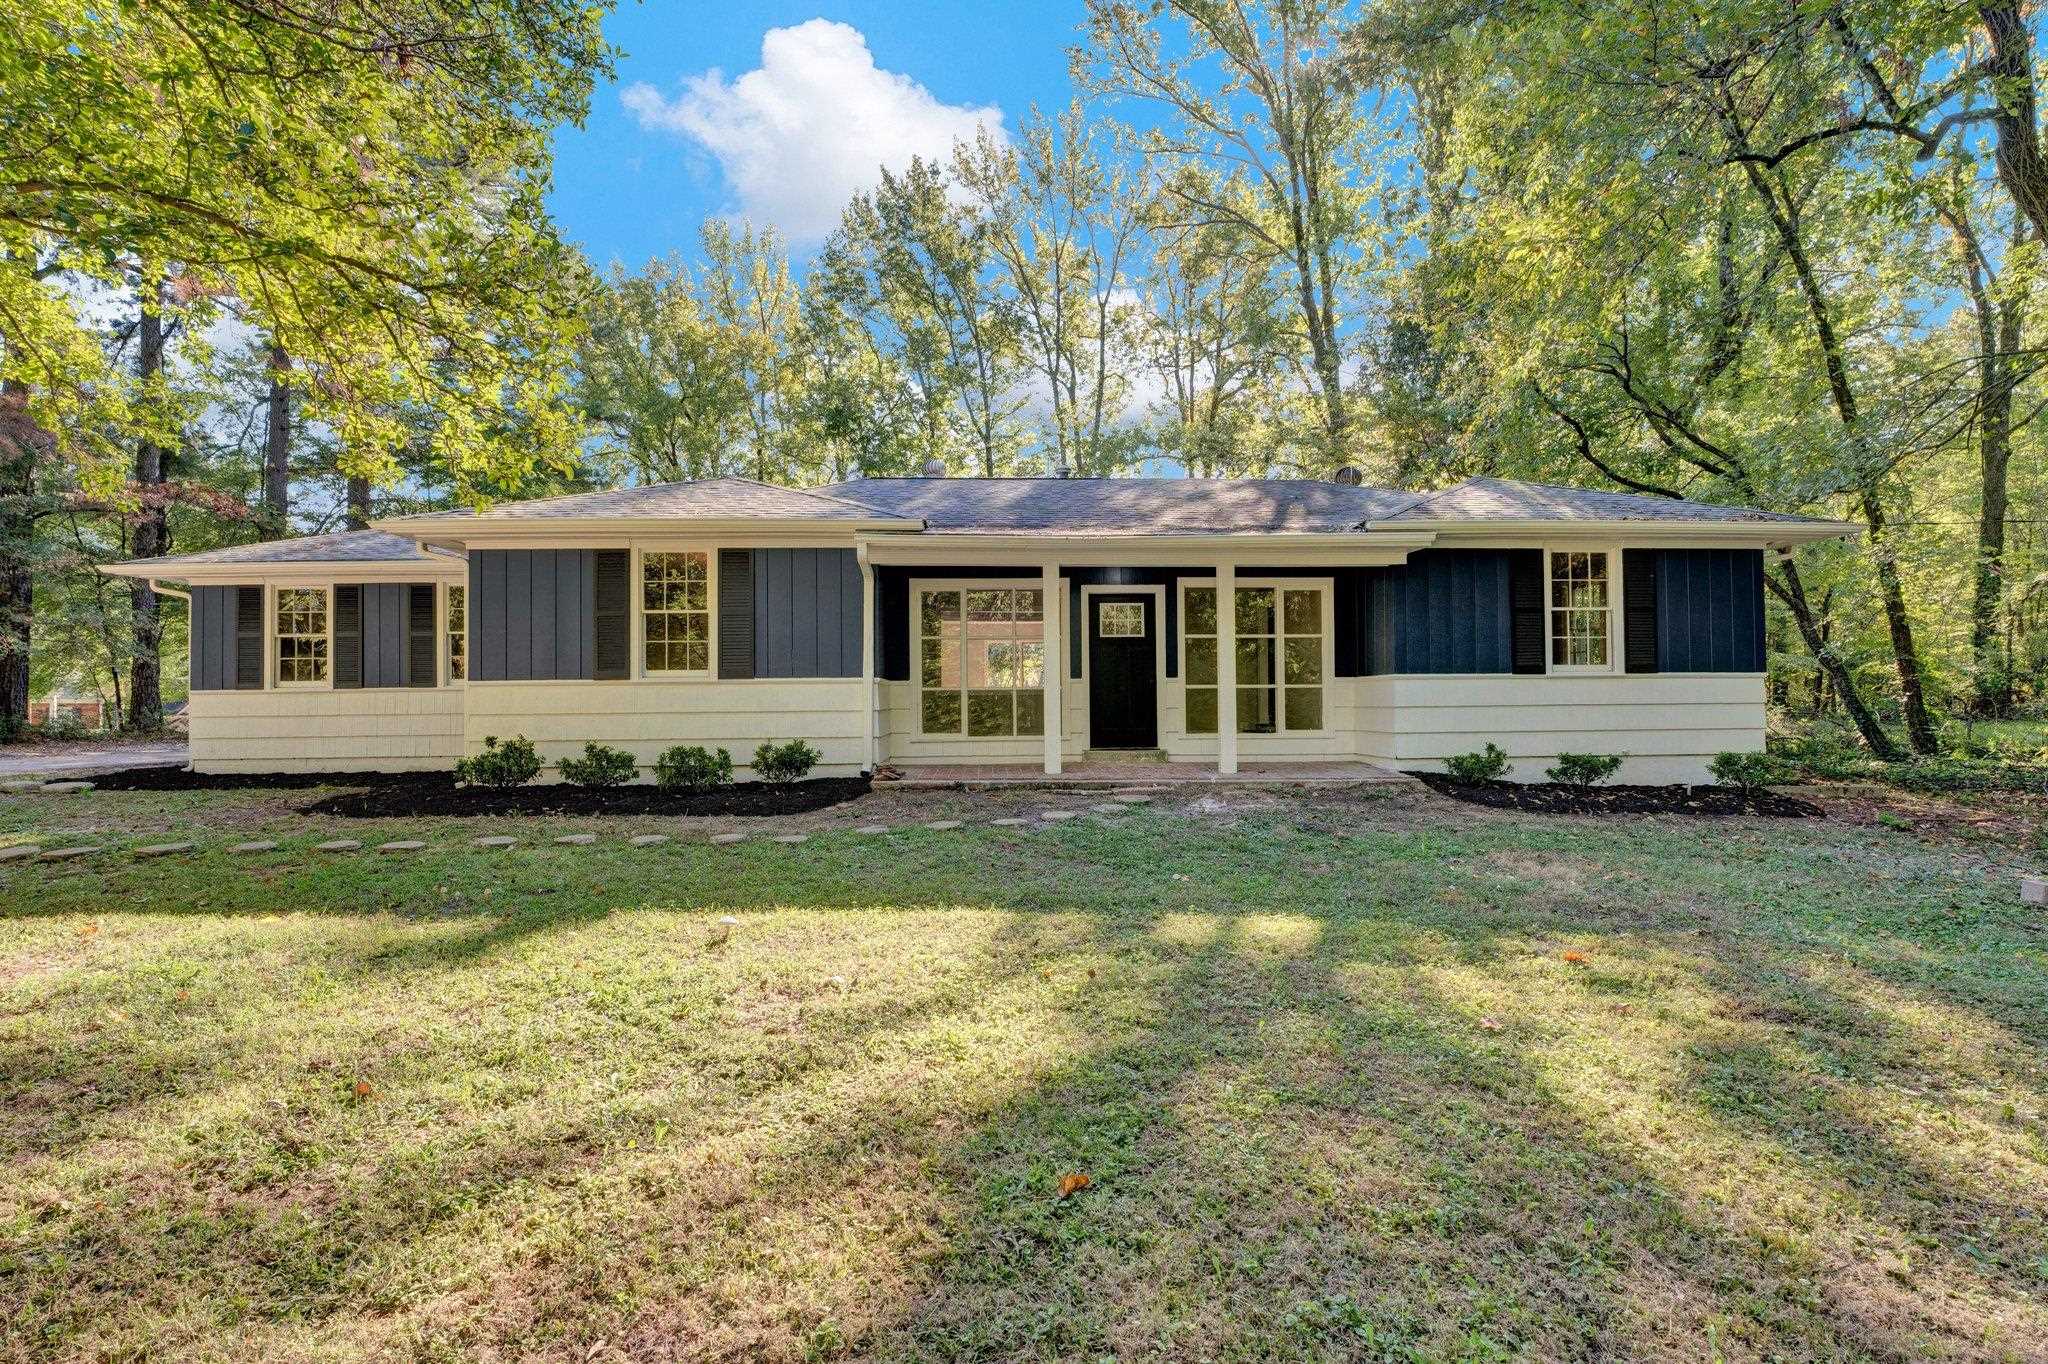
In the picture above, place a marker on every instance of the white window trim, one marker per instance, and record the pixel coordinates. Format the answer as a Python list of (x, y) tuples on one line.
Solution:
[(1613, 664), (1328, 588), (272, 671), (444, 640), (1050, 616), (639, 613)]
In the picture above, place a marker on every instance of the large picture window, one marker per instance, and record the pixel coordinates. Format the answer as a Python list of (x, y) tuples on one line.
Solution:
[(1580, 609), (1279, 659), (981, 661), (458, 633), (301, 636), (675, 603)]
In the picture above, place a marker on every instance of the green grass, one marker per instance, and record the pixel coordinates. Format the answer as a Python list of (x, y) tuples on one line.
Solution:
[(1337, 1089)]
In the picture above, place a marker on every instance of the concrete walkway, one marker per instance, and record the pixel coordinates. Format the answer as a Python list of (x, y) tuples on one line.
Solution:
[(1147, 774), (43, 760)]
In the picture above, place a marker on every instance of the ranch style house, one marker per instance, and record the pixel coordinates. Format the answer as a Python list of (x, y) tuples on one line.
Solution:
[(1026, 622)]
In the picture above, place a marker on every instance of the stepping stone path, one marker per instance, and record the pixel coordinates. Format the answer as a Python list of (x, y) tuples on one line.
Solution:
[(66, 854), (66, 786), (577, 840), (1134, 797), (647, 840), (872, 829), (943, 824), (260, 845), (19, 851), (495, 841), (1110, 809), (163, 849), (1056, 815), (30, 785), (338, 845), (1009, 823), (727, 838), (401, 845), (792, 838)]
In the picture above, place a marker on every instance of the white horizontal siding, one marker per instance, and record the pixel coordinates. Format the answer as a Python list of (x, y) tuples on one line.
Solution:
[(396, 729)]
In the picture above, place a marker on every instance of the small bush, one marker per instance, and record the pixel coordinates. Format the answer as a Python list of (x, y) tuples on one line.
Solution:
[(600, 766), (779, 763), (692, 769), (1583, 769), (62, 724), (1747, 772), (1470, 769), (512, 763)]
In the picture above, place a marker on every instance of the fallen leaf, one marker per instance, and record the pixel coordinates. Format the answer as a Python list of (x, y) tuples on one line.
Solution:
[(184, 995), (1575, 957), (1073, 1184), (87, 930), (1490, 1023), (362, 1089)]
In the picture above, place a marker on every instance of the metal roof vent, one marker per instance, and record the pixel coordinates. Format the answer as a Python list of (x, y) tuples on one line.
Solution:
[(1348, 475), (935, 468)]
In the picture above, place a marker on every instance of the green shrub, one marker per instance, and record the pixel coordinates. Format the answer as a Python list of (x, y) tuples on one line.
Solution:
[(600, 766), (512, 763), (779, 763), (1583, 769), (62, 724), (1470, 769), (693, 769), (1747, 772)]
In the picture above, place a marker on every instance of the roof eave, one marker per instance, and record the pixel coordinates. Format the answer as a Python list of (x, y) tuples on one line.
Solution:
[(442, 530)]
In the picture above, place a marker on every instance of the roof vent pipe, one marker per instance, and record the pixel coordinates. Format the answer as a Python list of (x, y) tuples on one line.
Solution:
[(1348, 475), (935, 468)]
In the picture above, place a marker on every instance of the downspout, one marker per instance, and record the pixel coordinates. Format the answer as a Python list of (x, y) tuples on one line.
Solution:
[(156, 585)]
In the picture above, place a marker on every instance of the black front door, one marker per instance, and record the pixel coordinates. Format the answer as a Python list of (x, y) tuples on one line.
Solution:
[(1123, 677)]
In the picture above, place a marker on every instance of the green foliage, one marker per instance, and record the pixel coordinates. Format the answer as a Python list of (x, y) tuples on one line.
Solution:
[(689, 768), (1488, 764), (512, 763), (779, 763), (1583, 769), (600, 766), (1747, 772)]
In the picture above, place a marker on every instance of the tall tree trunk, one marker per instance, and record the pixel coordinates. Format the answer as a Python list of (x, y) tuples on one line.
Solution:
[(277, 448), (1788, 588), (20, 441), (1993, 678), (152, 532), (1912, 693), (2022, 168), (358, 503)]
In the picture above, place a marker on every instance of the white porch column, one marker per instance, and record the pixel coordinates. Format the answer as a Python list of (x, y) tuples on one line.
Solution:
[(1055, 664), (868, 627), (1226, 667)]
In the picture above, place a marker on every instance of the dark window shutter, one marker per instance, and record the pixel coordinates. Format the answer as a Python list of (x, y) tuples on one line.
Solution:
[(611, 615), (735, 613), (1525, 609), (348, 635), (422, 666), (248, 639), (1639, 610)]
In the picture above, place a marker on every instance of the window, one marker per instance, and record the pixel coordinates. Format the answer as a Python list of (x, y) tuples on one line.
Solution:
[(1120, 620), (1279, 659), (981, 661), (1579, 607), (301, 635), (458, 633), (675, 601)]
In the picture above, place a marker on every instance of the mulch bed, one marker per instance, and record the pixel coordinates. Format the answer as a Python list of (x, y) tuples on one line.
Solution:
[(1550, 799), (436, 794), (176, 778)]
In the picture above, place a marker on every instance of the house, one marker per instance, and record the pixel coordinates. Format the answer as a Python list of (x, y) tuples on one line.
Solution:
[(941, 621)]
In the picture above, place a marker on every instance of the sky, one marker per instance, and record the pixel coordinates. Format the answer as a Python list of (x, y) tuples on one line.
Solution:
[(778, 112)]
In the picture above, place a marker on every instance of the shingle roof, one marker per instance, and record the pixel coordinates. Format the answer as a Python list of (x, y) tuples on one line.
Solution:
[(715, 499), (1502, 499), (1126, 506), (342, 547)]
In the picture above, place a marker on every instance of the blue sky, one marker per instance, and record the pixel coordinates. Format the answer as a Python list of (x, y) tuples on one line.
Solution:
[(699, 123)]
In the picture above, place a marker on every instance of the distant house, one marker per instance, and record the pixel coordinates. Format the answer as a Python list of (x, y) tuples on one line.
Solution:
[(1028, 621), (88, 711)]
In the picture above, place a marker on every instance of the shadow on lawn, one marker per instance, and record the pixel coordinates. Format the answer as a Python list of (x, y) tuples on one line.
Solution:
[(1300, 1147)]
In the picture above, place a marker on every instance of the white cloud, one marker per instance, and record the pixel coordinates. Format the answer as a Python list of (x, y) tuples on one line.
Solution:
[(797, 137)]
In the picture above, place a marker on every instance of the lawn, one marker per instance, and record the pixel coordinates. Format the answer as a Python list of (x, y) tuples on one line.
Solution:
[(1350, 1076)]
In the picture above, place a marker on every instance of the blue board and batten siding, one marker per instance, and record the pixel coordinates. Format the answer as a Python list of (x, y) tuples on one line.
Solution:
[(227, 638), (1444, 611), (1710, 611), (385, 651), (531, 614), (806, 613)]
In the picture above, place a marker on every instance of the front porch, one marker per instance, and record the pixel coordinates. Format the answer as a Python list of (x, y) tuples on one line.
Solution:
[(1134, 775)]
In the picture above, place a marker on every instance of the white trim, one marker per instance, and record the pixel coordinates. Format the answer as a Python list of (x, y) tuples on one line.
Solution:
[(1225, 583), (1049, 617), (1614, 615), (1158, 594), (1308, 550), (273, 674), (443, 645), (1052, 653), (867, 659), (640, 549), (1327, 588)]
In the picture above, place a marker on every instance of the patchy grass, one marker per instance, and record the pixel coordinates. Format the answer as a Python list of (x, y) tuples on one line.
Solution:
[(1338, 1091)]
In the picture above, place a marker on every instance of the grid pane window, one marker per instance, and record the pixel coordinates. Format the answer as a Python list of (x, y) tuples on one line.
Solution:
[(1279, 658), (458, 633), (981, 661), (301, 634), (675, 604), (1579, 610)]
